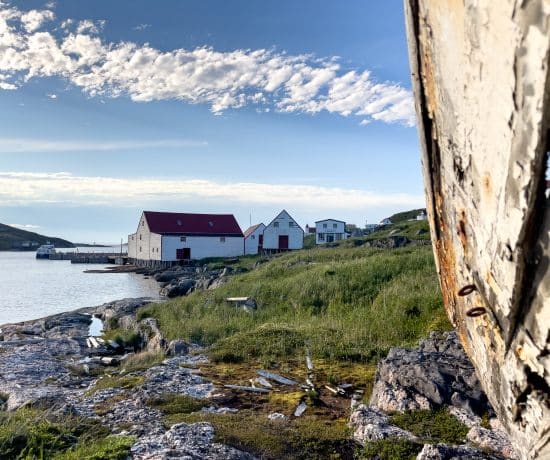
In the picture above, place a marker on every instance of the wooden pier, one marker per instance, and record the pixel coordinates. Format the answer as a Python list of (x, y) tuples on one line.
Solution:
[(92, 257)]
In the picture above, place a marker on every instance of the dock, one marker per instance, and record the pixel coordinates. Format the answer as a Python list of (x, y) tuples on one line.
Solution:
[(92, 257)]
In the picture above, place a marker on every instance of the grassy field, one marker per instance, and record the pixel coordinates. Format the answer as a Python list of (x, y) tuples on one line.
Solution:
[(340, 303)]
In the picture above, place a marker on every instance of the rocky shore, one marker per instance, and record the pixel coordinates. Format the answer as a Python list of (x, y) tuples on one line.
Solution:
[(53, 363)]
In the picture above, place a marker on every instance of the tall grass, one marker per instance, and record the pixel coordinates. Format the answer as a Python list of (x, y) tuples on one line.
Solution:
[(340, 303)]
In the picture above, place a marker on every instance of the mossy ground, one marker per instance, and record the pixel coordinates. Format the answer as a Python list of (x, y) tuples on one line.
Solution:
[(116, 381), (32, 433)]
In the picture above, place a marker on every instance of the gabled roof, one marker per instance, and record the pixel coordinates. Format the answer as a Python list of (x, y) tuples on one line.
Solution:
[(335, 220), (250, 230), (285, 212), (192, 224)]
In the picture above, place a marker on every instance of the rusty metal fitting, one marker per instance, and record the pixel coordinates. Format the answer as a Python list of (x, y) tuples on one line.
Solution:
[(476, 311), (468, 289)]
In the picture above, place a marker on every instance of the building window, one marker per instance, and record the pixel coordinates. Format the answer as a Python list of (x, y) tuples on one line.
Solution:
[(334, 225), (324, 225), (321, 237), (222, 239), (132, 237), (140, 249), (291, 224), (253, 237), (183, 239), (142, 223), (276, 224), (140, 237)]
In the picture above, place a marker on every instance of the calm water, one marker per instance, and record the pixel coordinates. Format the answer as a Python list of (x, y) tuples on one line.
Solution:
[(31, 288)]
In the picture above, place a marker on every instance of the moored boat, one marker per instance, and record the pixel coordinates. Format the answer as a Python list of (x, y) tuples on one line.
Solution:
[(44, 251)]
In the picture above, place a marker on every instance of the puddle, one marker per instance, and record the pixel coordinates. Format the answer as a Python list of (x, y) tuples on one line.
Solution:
[(96, 328)]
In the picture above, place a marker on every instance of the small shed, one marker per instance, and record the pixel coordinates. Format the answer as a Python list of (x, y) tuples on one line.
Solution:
[(253, 239)]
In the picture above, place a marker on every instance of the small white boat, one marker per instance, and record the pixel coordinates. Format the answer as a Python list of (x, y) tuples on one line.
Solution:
[(44, 251)]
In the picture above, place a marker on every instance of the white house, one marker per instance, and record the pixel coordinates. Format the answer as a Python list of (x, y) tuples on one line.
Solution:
[(386, 221), (329, 230), (283, 234), (422, 216), (164, 238), (253, 239)]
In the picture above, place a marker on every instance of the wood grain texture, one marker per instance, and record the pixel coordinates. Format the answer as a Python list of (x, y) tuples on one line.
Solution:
[(482, 86)]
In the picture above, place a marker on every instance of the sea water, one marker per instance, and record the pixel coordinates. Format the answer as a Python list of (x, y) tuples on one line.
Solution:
[(31, 288)]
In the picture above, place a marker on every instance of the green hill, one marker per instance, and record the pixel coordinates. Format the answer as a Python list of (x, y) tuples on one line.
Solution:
[(12, 238), (406, 215)]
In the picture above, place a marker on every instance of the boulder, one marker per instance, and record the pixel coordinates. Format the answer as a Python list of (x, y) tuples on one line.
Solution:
[(445, 452), (369, 424), (436, 374), (493, 440), (179, 288), (177, 347), (186, 442)]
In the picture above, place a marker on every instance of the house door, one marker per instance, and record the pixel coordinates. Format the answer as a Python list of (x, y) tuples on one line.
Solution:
[(283, 241), (330, 238), (183, 254), (260, 243)]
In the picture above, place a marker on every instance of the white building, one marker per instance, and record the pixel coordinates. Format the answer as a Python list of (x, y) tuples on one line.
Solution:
[(163, 238), (329, 230), (386, 221), (422, 216), (253, 239), (283, 234)]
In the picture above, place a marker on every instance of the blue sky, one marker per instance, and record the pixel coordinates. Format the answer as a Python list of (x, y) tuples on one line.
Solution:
[(108, 108)]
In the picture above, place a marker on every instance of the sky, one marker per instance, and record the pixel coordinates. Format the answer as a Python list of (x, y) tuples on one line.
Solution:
[(243, 107)]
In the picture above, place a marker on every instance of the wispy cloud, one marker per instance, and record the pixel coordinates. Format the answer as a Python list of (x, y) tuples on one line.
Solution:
[(224, 80), (18, 188), (141, 27), (25, 226), (27, 145)]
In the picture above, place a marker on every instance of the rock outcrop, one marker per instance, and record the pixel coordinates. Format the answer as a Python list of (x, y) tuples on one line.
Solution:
[(436, 374), (183, 441), (370, 424)]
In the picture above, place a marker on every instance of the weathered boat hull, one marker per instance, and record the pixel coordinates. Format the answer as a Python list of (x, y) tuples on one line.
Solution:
[(481, 79)]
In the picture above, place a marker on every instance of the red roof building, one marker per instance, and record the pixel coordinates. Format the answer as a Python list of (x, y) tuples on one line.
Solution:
[(177, 223)]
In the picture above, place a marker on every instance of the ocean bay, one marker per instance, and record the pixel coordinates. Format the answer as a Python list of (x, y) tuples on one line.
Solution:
[(32, 288)]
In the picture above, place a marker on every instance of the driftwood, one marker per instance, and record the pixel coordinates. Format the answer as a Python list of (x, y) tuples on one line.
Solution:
[(276, 378), (300, 409), (482, 87), (251, 389)]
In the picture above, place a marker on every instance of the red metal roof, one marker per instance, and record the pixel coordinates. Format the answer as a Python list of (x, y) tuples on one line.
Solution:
[(192, 224)]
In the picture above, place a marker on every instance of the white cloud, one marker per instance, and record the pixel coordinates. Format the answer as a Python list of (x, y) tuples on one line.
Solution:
[(21, 145), (89, 26), (223, 80), (18, 188), (25, 226), (51, 96), (33, 20)]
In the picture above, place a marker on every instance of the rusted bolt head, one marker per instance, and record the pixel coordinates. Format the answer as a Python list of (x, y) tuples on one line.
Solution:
[(468, 289), (476, 311)]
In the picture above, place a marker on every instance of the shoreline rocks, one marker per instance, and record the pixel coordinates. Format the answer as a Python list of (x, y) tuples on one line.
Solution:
[(47, 363)]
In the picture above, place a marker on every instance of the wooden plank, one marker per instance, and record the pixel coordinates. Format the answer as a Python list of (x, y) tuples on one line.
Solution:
[(244, 388), (481, 82), (276, 378)]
